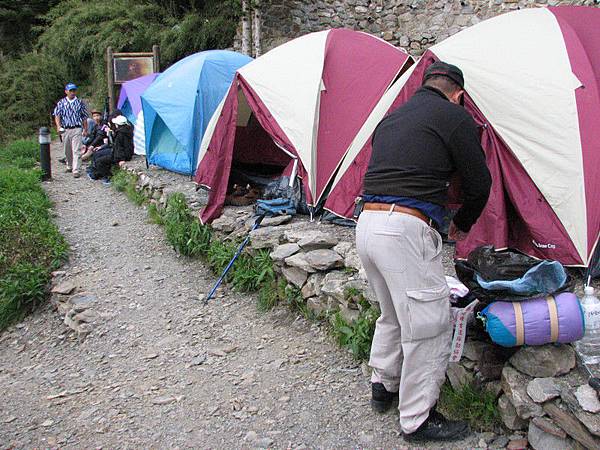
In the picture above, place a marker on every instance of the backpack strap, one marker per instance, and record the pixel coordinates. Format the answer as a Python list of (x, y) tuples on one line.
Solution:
[(519, 324), (553, 313)]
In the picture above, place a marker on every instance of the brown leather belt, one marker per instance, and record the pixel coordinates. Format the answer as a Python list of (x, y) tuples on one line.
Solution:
[(397, 208)]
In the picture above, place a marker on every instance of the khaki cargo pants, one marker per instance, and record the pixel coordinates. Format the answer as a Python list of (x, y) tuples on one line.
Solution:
[(72, 146), (402, 257)]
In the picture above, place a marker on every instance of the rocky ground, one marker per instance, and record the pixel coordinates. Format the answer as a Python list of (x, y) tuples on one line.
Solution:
[(160, 369)]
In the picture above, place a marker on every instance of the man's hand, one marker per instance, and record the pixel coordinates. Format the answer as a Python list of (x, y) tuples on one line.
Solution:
[(84, 133), (455, 234)]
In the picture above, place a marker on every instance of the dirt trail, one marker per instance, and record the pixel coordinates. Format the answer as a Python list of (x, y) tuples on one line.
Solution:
[(163, 371)]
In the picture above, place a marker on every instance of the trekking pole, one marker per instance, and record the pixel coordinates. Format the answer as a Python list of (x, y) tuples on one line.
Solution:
[(593, 381), (237, 254)]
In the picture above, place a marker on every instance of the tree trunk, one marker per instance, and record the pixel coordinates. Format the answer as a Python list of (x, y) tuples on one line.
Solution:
[(246, 32), (256, 32)]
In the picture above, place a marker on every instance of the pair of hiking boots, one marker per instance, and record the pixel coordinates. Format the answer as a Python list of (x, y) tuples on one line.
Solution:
[(435, 428), (242, 196)]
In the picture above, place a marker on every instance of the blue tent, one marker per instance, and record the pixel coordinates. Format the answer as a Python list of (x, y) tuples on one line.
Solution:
[(179, 104)]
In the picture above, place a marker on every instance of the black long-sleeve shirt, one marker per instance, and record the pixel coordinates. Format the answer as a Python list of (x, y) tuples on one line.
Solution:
[(419, 146), (123, 144)]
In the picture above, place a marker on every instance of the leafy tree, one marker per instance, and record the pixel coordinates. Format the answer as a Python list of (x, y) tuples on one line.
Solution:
[(211, 24), (79, 32), (29, 87), (18, 19), (73, 36)]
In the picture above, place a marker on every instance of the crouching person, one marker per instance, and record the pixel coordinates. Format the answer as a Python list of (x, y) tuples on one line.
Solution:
[(117, 153), (416, 150)]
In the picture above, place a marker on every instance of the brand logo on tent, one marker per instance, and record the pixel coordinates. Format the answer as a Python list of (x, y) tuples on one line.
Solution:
[(549, 246)]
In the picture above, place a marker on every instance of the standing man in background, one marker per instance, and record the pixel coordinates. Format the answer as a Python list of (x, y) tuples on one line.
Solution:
[(70, 117), (416, 150)]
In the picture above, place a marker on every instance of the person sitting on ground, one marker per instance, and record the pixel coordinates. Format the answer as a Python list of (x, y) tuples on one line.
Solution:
[(123, 140), (95, 135), (118, 152)]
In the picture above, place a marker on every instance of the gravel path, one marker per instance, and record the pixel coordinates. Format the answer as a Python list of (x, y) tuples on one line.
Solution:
[(163, 371)]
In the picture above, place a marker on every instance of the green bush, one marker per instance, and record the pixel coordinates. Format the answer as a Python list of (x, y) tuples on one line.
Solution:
[(83, 31), (22, 288), (30, 244), (29, 87), (70, 42)]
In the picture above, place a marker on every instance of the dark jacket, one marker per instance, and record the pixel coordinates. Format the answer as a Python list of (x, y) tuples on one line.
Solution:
[(123, 144), (97, 136), (419, 146)]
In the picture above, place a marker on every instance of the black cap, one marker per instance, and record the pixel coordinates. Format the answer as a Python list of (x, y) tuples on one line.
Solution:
[(441, 68)]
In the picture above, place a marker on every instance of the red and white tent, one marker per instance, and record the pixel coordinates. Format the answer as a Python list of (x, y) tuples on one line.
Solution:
[(532, 79), (298, 106)]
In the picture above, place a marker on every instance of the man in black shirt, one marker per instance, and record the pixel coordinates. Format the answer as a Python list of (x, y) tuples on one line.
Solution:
[(416, 150)]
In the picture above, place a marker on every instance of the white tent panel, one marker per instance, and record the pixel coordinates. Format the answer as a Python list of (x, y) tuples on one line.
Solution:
[(293, 105), (139, 135), (517, 71)]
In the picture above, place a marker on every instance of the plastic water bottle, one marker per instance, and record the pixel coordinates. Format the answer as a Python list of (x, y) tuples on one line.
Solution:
[(589, 346)]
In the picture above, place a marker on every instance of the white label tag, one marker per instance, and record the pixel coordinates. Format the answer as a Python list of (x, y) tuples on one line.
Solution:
[(460, 330)]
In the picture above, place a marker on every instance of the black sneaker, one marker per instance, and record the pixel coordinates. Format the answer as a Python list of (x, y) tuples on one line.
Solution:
[(63, 160), (437, 428), (381, 399)]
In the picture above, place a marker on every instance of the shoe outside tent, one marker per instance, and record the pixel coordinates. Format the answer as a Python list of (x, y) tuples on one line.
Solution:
[(179, 104), (130, 102), (532, 82), (297, 108)]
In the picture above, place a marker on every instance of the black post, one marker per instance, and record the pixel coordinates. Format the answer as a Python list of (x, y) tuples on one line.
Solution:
[(45, 139)]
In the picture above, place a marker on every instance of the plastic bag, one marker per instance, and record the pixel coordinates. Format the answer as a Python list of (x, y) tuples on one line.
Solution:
[(493, 266), (280, 189)]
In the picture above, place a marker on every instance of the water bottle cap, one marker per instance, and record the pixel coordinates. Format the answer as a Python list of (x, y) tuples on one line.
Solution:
[(588, 290)]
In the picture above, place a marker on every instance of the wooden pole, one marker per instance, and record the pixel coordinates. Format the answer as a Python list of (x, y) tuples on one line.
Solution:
[(156, 59), (245, 28), (110, 78), (256, 31)]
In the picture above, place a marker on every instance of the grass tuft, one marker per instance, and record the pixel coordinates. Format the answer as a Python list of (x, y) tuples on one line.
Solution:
[(357, 336), (155, 215), (472, 403), (126, 182), (184, 232)]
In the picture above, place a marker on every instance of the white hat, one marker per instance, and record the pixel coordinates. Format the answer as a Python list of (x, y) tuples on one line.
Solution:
[(120, 120)]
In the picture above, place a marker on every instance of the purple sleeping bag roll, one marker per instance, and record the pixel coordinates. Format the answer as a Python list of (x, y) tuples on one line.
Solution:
[(535, 322)]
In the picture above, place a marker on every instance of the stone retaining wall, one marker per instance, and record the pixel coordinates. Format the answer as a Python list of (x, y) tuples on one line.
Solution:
[(412, 24), (542, 397)]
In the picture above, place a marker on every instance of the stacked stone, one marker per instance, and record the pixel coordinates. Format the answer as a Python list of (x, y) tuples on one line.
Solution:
[(77, 309), (546, 394), (411, 24), (321, 263), (157, 185)]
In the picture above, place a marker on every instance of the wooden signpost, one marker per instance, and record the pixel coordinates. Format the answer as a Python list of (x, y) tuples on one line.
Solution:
[(122, 67)]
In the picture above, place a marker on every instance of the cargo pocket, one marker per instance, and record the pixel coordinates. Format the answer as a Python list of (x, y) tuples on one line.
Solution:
[(429, 312)]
